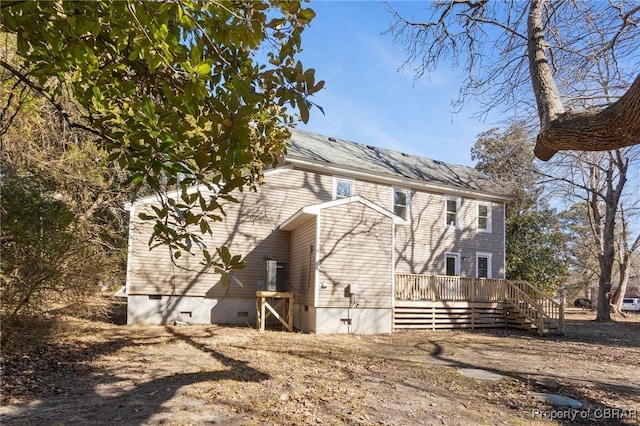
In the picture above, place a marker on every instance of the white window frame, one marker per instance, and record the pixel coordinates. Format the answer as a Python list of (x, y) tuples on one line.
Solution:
[(456, 256), (489, 257), (408, 198), (488, 229), (458, 201), (338, 179)]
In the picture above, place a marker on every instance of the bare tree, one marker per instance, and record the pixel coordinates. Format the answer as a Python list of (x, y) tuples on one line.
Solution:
[(530, 57), (599, 182)]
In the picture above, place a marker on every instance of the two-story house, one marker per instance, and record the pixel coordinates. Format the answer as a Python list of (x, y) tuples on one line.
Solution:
[(342, 220)]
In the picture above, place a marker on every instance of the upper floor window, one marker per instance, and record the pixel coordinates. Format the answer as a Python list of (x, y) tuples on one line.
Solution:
[(343, 187), (401, 202), (484, 216), (452, 208)]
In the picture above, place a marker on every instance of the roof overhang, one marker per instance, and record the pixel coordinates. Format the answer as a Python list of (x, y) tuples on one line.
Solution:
[(309, 212)]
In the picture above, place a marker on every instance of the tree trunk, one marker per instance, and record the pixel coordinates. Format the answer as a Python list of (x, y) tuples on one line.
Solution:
[(544, 87), (623, 282), (607, 258), (614, 127)]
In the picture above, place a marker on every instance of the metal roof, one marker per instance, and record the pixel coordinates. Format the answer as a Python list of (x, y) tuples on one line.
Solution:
[(386, 162)]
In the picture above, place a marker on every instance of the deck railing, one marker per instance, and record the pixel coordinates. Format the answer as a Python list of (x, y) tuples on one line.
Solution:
[(439, 287), (531, 301)]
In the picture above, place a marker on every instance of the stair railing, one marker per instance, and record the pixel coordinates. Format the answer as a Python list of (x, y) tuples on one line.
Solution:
[(546, 306)]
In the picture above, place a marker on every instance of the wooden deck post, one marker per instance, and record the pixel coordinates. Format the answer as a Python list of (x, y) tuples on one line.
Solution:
[(561, 319), (540, 319)]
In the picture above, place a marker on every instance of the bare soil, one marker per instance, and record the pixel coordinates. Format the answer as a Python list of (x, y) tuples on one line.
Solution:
[(99, 373)]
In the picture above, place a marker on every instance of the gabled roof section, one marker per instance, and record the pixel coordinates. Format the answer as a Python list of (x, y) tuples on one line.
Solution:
[(313, 210), (385, 162)]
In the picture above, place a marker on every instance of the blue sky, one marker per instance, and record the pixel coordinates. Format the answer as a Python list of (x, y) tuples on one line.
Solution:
[(368, 99)]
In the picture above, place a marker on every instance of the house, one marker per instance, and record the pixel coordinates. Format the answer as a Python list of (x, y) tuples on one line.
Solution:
[(340, 221)]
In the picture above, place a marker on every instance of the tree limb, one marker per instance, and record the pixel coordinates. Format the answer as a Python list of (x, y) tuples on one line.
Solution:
[(616, 126), (65, 115)]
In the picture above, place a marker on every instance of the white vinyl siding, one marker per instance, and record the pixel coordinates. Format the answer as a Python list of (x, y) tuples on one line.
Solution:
[(303, 261), (355, 248), (250, 228)]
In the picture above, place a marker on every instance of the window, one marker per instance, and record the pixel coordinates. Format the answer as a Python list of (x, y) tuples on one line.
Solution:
[(484, 216), (452, 207), (342, 187), (483, 265), (401, 202), (452, 264)]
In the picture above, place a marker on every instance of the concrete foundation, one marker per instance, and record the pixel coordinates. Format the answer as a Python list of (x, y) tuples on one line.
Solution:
[(192, 310)]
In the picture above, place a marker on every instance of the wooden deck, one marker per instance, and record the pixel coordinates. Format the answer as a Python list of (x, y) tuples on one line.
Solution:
[(434, 302)]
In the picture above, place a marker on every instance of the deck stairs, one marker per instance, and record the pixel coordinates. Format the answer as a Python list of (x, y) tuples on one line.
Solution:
[(528, 308), (519, 316)]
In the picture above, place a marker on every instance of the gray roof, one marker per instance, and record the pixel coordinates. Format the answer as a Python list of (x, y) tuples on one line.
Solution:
[(367, 158)]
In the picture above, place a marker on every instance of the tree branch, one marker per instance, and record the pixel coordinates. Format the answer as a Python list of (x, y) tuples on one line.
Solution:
[(65, 115), (616, 126)]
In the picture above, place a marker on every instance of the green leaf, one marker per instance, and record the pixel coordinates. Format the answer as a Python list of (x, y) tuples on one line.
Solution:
[(203, 69), (136, 71), (145, 216), (148, 108), (224, 254), (304, 111), (319, 85)]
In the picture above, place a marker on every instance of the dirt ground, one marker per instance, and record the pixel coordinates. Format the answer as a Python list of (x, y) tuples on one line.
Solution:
[(99, 373)]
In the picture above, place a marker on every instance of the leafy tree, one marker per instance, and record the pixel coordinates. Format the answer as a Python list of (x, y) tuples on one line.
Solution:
[(179, 93), (535, 243), (63, 222), (42, 256), (543, 56)]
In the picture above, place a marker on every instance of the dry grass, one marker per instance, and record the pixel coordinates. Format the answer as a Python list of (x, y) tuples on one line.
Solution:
[(99, 373)]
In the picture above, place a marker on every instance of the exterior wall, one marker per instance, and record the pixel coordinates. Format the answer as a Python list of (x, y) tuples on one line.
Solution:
[(304, 317), (378, 193), (190, 309), (356, 248), (250, 228), (302, 266), (363, 320), (422, 243)]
